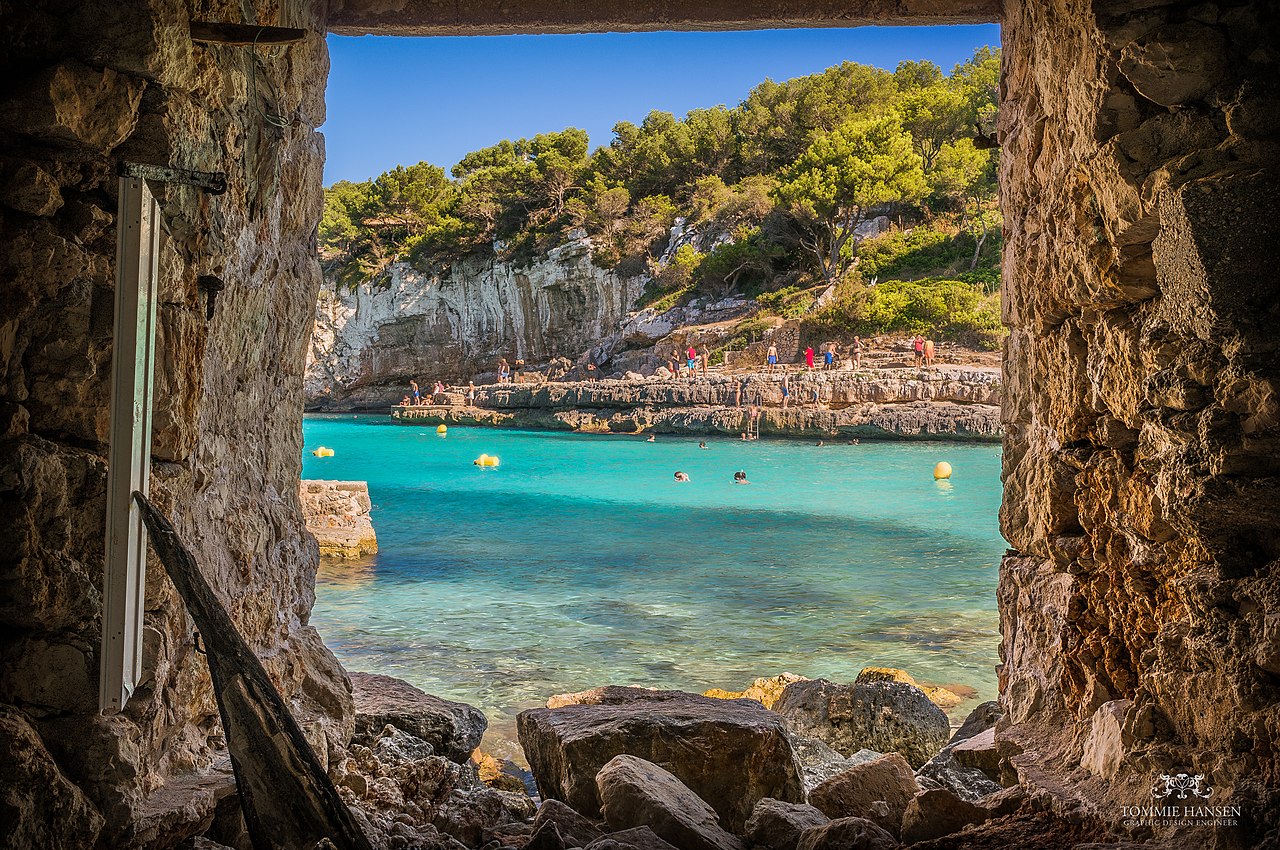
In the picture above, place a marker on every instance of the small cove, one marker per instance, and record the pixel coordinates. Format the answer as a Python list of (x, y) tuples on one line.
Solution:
[(580, 562)]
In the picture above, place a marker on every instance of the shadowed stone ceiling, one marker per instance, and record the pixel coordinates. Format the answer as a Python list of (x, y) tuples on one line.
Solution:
[(495, 17)]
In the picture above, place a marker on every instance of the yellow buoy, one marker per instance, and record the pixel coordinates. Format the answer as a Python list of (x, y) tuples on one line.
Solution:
[(321, 451), (442, 428), (480, 460), (486, 460), (942, 470)]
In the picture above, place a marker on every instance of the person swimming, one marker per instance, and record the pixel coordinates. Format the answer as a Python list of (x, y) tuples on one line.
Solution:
[(702, 444), (681, 477), (652, 439), (740, 477)]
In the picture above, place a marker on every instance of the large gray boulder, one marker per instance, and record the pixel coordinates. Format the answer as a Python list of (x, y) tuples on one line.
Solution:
[(818, 762), (636, 838), (453, 729), (574, 829), (969, 765), (847, 834), (731, 753), (888, 717), (635, 792), (878, 790), (937, 812), (775, 825)]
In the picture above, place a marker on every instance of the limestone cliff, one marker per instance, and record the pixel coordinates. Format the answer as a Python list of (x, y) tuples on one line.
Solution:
[(371, 339)]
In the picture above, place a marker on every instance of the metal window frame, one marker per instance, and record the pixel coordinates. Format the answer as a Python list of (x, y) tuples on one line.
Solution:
[(129, 450)]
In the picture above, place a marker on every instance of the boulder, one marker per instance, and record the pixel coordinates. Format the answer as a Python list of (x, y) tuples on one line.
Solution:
[(764, 690), (775, 825), (610, 695), (984, 716), (847, 834), (635, 792), (639, 838), (939, 696), (979, 752), (41, 807), (978, 775), (1004, 802), (1107, 741), (819, 762), (887, 779), (731, 753), (937, 812), (881, 716), (574, 829), (453, 729)]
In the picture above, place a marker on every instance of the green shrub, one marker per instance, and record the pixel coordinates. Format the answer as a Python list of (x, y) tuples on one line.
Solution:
[(942, 308)]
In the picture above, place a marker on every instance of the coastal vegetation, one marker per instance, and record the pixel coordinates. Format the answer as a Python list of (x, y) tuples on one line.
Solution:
[(778, 198)]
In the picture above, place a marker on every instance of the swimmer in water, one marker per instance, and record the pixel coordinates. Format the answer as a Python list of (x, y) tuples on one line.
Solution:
[(821, 444), (702, 444), (652, 439), (681, 477), (740, 477)]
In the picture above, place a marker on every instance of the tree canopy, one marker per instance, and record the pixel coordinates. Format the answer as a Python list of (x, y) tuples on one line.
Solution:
[(786, 176)]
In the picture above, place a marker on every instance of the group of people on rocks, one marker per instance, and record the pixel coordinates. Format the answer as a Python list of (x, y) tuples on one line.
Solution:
[(416, 398)]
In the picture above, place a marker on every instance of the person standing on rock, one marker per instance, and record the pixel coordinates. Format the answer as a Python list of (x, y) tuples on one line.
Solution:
[(808, 357), (705, 357), (786, 391), (856, 351), (918, 346), (417, 396), (691, 356), (928, 352), (471, 393), (771, 357), (675, 363), (503, 370), (829, 356)]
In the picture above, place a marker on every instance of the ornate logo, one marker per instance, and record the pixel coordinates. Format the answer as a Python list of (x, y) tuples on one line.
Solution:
[(1167, 785)]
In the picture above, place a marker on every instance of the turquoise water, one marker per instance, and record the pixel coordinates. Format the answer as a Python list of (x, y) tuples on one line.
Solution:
[(580, 562)]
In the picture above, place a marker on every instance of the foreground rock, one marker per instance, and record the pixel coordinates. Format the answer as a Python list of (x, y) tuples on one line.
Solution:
[(634, 792), (938, 812), (453, 729), (731, 753), (847, 834), (636, 838), (574, 829), (775, 825), (881, 716), (878, 790), (968, 766), (819, 762)]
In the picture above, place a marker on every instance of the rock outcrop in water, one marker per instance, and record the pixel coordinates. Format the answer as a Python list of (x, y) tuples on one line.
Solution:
[(939, 403), (337, 515)]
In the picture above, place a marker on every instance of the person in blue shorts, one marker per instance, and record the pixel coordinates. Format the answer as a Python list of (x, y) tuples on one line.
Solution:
[(772, 356), (829, 355)]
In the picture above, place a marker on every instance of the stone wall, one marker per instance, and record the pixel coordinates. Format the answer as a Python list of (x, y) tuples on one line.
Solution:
[(1141, 203), (337, 514), (87, 86)]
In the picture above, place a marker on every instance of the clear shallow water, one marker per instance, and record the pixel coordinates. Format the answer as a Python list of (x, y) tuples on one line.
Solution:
[(579, 561)]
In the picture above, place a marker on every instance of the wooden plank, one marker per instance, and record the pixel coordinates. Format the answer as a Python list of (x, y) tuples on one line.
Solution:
[(287, 798), (221, 32)]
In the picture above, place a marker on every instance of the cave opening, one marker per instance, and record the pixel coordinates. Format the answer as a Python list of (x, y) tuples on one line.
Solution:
[(1137, 602)]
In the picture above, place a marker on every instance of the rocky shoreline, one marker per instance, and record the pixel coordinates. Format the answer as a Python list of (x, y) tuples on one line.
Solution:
[(789, 763), (947, 403)]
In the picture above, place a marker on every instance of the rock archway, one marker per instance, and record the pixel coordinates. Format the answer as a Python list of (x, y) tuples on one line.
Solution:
[(1140, 605)]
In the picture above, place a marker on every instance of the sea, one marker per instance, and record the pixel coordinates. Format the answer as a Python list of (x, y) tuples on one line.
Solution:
[(580, 561)]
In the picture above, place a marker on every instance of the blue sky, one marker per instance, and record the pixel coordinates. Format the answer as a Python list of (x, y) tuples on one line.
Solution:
[(398, 101)]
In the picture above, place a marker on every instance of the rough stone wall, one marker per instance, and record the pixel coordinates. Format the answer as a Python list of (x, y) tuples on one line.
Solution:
[(370, 340), (337, 514), (85, 86), (1141, 607)]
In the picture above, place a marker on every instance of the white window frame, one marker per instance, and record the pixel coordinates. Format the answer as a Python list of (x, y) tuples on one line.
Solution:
[(129, 449)]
